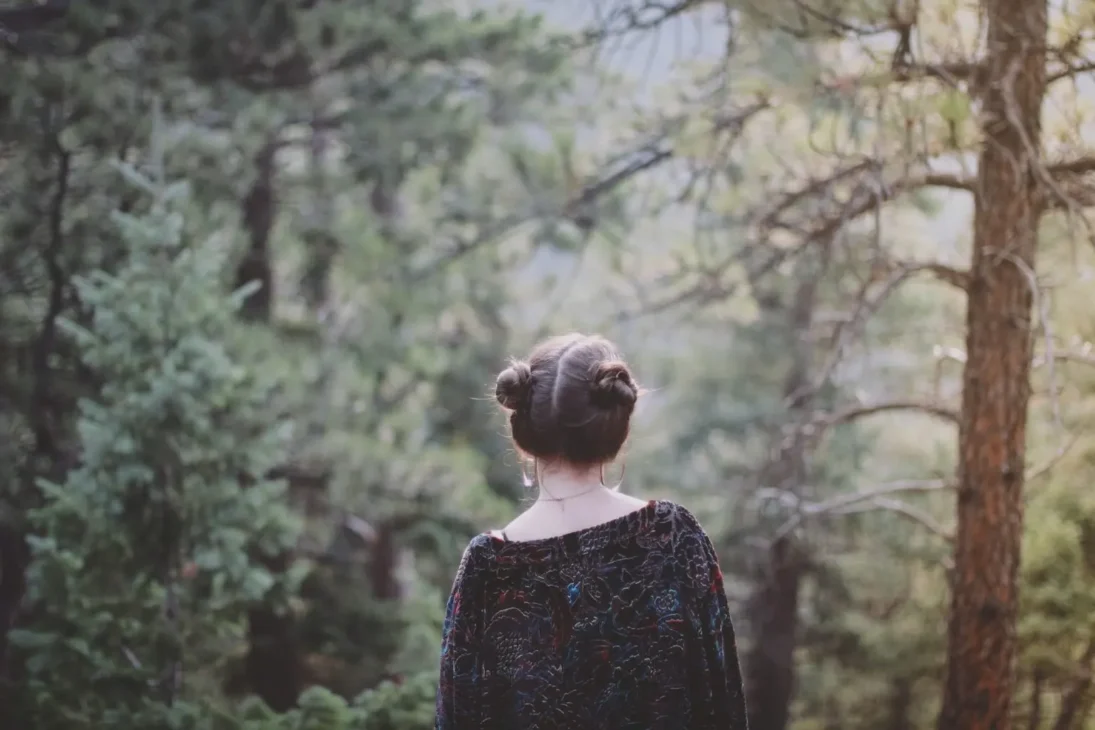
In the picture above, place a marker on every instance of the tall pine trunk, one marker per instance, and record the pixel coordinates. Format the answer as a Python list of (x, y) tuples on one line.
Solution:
[(274, 665), (773, 607), (996, 383)]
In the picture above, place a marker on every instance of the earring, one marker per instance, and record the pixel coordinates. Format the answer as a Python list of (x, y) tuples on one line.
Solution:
[(526, 480), (623, 470)]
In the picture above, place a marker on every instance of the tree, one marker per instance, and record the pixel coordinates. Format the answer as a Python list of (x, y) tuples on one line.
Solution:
[(879, 154), (401, 108), (1053, 684), (146, 558), (1008, 198)]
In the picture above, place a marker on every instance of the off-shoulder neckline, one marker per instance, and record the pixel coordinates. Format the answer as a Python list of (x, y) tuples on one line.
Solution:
[(579, 542)]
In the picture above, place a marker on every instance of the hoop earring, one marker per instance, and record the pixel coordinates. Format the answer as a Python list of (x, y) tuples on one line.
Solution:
[(623, 470), (526, 480)]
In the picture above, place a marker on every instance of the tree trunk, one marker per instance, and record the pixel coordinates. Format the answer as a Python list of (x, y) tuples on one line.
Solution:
[(901, 702), (1034, 718), (274, 666), (319, 238), (996, 382), (47, 410), (14, 560), (383, 559), (773, 617), (259, 209), (773, 606), (1076, 697)]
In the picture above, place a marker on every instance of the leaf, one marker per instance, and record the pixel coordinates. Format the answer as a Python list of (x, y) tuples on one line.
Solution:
[(954, 106)]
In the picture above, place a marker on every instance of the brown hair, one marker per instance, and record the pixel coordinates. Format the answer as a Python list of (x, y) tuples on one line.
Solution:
[(571, 400)]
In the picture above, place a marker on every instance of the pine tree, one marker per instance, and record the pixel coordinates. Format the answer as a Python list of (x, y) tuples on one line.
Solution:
[(146, 557)]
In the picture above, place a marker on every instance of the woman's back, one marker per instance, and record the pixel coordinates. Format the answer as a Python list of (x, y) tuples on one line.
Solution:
[(619, 626)]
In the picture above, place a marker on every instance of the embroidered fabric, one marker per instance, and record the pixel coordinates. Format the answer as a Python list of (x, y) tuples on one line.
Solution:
[(622, 626)]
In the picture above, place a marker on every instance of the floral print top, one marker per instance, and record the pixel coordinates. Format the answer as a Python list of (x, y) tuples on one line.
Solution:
[(622, 626)]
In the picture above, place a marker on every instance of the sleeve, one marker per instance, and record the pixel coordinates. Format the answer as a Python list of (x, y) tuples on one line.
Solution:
[(720, 688), (459, 689)]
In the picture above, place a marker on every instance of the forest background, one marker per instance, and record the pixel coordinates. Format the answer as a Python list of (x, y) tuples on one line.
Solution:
[(262, 259)]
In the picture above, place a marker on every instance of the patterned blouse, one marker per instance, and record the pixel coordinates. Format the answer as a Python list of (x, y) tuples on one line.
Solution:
[(622, 626)]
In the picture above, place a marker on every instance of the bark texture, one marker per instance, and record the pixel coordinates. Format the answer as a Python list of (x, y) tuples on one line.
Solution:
[(996, 383)]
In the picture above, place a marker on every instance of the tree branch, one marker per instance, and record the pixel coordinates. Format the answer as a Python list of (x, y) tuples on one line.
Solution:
[(710, 287), (878, 498), (902, 486), (955, 277), (958, 278), (856, 412), (918, 516), (1069, 71), (1068, 186), (949, 72), (1069, 56), (969, 72), (643, 16), (942, 180), (873, 197), (1044, 469), (1076, 166), (1083, 357)]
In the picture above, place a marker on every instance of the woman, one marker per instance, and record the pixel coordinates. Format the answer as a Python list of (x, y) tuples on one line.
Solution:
[(592, 610)]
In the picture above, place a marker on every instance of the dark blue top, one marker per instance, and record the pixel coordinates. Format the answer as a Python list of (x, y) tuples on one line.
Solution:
[(623, 626)]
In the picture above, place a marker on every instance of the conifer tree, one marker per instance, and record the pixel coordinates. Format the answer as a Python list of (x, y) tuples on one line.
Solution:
[(147, 556)]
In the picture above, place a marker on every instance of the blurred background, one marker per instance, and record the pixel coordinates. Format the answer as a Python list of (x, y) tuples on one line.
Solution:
[(262, 260)]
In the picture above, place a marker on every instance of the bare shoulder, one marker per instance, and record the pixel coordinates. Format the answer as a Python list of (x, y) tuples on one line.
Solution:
[(631, 503), (548, 520), (518, 523)]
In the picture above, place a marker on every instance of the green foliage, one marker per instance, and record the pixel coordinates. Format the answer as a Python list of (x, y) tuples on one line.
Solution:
[(1058, 565), (148, 555), (430, 167), (319, 710), (351, 149), (405, 706), (408, 705)]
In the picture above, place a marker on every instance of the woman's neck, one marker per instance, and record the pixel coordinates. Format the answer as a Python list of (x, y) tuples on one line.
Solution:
[(560, 483)]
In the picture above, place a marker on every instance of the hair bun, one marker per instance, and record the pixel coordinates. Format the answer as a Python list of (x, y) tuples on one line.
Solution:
[(613, 385), (513, 386)]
